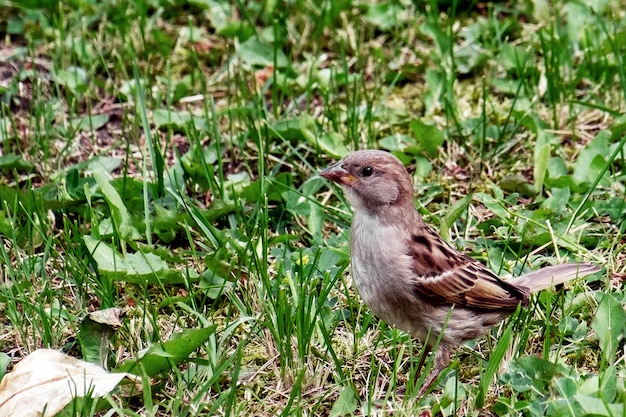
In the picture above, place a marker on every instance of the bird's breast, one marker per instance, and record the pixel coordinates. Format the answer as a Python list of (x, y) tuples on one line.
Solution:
[(380, 267)]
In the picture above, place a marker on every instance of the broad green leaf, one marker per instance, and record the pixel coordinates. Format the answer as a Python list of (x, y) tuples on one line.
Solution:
[(615, 208), (559, 176), (5, 361), (105, 257), (162, 42), (120, 216), (383, 15), (435, 32), (135, 267), (7, 221), (610, 383), (594, 406), (256, 53), (422, 166), (453, 213), (166, 223), (74, 78), (429, 136), (513, 57), (332, 143), (567, 386), (436, 81), (608, 324), (163, 118), (492, 204), (397, 142), (215, 9), (89, 122), (315, 221), (592, 159), (469, 57), (541, 158), (508, 86), (345, 404), (528, 372), (557, 202), (145, 264), (518, 184), (301, 128), (240, 30), (103, 164), (557, 167), (164, 356), (214, 285), (12, 161), (517, 378)]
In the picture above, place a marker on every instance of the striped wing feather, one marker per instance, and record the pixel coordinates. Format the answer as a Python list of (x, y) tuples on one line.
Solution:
[(444, 274)]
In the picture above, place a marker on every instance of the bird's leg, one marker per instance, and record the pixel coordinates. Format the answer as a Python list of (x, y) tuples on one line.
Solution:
[(442, 360), (426, 351)]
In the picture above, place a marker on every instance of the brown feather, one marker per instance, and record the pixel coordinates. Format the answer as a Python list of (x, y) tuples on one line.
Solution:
[(553, 275)]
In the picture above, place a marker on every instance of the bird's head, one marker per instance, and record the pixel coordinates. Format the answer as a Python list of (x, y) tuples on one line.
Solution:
[(373, 181)]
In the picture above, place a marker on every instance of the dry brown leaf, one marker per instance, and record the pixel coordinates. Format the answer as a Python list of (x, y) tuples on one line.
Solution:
[(108, 316), (49, 380)]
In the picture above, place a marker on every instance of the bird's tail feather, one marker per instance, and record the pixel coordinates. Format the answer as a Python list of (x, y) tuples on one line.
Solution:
[(553, 275)]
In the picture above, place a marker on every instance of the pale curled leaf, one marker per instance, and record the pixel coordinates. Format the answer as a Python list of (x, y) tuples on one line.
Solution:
[(47, 379), (109, 316)]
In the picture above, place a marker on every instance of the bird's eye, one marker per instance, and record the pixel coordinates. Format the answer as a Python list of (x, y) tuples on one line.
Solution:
[(367, 171)]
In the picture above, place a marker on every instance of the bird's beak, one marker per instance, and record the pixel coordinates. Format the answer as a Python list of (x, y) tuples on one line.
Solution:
[(337, 174)]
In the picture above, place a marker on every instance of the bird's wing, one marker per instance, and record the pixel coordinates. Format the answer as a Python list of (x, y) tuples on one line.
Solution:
[(442, 273)]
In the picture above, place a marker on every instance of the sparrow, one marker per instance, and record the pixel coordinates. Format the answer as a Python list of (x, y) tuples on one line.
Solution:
[(414, 280)]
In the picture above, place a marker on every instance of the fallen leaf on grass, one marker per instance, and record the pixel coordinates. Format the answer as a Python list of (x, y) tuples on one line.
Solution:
[(49, 380), (109, 316)]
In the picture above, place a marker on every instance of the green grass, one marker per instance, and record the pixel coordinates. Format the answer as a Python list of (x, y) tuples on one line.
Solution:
[(162, 157)]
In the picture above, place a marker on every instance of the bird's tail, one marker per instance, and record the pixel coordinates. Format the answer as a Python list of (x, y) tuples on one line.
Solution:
[(553, 275)]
